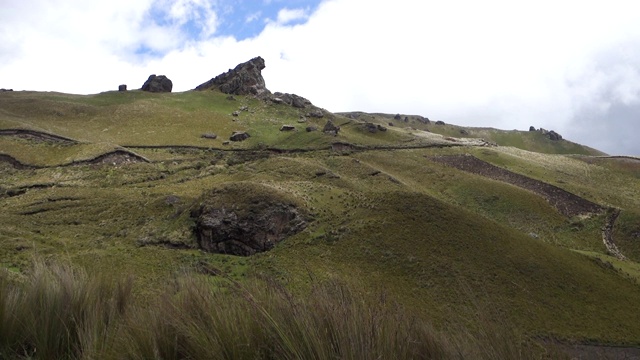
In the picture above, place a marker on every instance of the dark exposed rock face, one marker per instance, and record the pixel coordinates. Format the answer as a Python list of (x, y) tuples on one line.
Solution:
[(244, 79), (287, 128), (554, 136), (256, 229), (5, 90), (532, 128), (423, 120), (330, 128), (397, 117), (317, 113), (372, 128), (239, 136), (290, 99), (122, 87), (439, 122), (159, 83)]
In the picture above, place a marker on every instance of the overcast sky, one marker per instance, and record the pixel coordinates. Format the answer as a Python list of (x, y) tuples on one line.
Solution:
[(570, 66)]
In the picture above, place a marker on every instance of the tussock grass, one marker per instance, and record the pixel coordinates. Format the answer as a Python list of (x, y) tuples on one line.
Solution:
[(60, 312)]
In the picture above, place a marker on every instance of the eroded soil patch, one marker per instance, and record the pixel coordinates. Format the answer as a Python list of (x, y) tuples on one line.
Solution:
[(565, 202), (37, 136)]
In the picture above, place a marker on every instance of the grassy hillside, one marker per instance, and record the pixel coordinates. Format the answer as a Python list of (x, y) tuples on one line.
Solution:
[(382, 215), (526, 140)]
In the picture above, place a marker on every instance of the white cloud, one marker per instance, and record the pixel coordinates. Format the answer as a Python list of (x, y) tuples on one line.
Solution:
[(507, 64), (253, 17), (286, 16)]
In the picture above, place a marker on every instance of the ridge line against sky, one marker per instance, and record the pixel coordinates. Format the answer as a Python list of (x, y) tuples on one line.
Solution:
[(571, 66)]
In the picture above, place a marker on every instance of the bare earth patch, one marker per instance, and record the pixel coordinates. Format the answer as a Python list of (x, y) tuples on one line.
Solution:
[(565, 202)]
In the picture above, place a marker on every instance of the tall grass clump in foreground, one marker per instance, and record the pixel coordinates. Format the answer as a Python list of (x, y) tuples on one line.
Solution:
[(61, 312)]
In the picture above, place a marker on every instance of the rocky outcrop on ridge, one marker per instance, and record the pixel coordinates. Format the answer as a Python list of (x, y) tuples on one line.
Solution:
[(244, 79), (290, 99), (158, 83)]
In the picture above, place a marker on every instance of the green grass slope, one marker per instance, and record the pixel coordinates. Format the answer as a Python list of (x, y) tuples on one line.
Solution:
[(382, 216)]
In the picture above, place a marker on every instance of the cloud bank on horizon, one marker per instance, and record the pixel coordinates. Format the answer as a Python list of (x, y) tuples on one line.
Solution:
[(571, 66)]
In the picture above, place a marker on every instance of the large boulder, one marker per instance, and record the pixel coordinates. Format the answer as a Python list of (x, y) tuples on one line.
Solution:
[(330, 128), (239, 136), (244, 79), (159, 83)]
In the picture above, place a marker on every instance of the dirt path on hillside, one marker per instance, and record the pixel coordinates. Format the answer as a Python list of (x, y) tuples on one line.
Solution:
[(37, 136), (565, 202)]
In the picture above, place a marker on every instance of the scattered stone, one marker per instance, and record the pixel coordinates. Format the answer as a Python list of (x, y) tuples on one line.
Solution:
[(231, 98), (532, 234), (316, 113), (311, 128), (302, 119), (440, 122), (157, 84), (235, 113), (244, 108), (531, 128), (244, 79), (397, 117), (372, 128), (239, 136), (464, 132), (287, 128), (277, 100), (122, 87), (330, 128), (225, 143), (391, 124), (382, 128), (210, 136), (406, 119), (5, 90), (171, 200)]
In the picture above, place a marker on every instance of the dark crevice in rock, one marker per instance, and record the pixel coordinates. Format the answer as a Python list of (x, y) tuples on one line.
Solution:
[(257, 228)]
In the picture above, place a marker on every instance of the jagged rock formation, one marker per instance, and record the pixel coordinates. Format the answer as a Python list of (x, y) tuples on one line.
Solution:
[(552, 135), (290, 99), (123, 87), (159, 83), (245, 79)]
